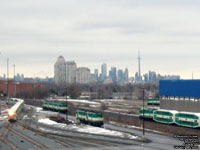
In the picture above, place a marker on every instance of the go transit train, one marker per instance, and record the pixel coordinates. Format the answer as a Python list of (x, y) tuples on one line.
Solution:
[(153, 102), (55, 106), (89, 117), (186, 119), (14, 111)]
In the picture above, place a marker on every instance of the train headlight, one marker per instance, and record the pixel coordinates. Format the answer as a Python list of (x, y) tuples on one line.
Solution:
[(11, 113)]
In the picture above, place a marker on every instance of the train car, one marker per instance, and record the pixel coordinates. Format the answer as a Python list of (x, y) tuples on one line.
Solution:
[(148, 113), (55, 106), (14, 111), (188, 119), (95, 118), (154, 102), (164, 116), (90, 117), (81, 115), (11, 101)]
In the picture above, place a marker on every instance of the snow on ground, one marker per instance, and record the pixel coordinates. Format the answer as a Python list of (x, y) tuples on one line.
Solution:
[(3, 117), (38, 109), (4, 111), (88, 129), (83, 101), (110, 100)]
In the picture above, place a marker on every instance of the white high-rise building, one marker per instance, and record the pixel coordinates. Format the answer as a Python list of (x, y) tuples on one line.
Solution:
[(70, 71), (83, 75), (60, 71)]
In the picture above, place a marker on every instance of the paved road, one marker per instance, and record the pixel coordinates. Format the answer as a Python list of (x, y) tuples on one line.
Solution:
[(159, 141)]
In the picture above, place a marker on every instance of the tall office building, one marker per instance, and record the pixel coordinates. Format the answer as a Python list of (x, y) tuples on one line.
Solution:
[(60, 71), (120, 76), (126, 75), (70, 71), (96, 74), (152, 76), (103, 71), (113, 74)]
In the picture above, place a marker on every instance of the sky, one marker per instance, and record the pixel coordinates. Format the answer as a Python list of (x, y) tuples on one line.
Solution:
[(33, 33)]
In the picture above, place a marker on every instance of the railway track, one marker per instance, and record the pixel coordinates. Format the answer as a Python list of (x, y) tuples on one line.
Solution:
[(4, 135), (74, 141), (30, 139)]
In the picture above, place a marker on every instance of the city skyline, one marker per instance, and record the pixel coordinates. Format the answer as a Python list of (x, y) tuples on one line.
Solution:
[(167, 33)]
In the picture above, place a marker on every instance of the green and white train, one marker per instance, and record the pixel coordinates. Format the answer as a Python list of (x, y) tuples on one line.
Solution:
[(186, 119), (164, 116), (153, 102), (89, 117), (55, 106), (148, 113), (11, 101)]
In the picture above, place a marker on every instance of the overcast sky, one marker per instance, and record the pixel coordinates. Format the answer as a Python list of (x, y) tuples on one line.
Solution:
[(33, 33)]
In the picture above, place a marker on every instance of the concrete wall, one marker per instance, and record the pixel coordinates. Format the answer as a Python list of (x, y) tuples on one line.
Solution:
[(180, 105)]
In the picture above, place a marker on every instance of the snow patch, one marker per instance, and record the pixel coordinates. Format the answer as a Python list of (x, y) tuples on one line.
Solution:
[(83, 101), (88, 129), (47, 121)]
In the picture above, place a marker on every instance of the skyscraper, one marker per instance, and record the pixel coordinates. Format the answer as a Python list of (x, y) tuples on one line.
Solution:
[(126, 76), (96, 74), (104, 71), (60, 71), (113, 74), (120, 76)]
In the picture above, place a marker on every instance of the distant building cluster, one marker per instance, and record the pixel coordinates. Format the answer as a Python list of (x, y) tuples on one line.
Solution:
[(152, 77), (21, 79), (114, 75), (66, 72)]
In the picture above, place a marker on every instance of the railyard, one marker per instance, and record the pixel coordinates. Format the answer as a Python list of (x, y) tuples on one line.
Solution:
[(31, 132)]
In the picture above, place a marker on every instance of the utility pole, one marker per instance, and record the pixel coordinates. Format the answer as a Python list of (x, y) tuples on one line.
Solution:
[(14, 81), (143, 114), (0, 97), (7, 77), (67, 108)]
